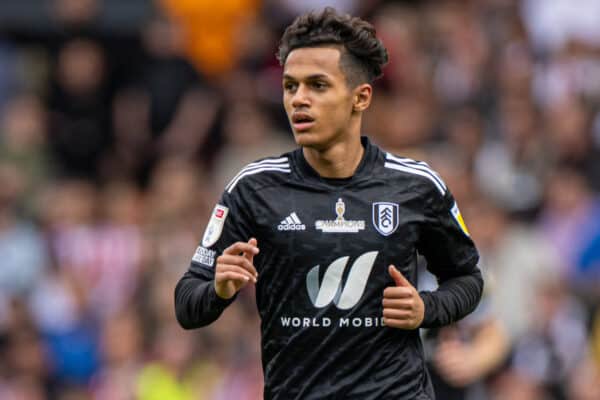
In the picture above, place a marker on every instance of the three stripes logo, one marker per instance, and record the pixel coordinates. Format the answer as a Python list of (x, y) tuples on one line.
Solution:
[(291, 223), (331, 289)]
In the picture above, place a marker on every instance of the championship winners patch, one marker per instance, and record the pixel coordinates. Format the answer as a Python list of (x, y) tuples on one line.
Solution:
[(340, 224)]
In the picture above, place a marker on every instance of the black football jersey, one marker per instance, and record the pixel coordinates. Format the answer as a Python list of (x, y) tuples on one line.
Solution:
[(325, 247)]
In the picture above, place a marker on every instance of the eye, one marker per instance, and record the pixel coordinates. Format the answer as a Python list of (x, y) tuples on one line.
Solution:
[(319, 85), (289, 86)]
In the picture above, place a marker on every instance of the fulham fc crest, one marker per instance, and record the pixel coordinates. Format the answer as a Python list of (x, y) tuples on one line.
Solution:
[(385, 217)]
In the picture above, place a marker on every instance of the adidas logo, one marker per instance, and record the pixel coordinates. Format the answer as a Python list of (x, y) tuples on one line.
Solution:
[(291, 223)]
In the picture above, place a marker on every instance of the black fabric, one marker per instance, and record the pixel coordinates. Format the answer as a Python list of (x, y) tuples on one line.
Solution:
[(332, 345)]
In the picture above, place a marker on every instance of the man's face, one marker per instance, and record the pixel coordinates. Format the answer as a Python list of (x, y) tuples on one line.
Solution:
[(316, 96)]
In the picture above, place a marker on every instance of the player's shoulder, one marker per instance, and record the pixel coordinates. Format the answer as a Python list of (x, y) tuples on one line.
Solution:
[(418, 173), (261, 172)]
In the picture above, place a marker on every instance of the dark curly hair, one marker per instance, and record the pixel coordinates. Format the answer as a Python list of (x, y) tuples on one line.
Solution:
[(363, 55)]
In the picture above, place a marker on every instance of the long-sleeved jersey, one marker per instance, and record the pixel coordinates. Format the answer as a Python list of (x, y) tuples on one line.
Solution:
[(325, 247)]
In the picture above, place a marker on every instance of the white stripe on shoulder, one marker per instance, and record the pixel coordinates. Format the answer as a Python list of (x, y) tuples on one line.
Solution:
[(258, 164), (409, 162), (409, 170), (281, 168), (392, 157), (417, 165), (279, 162), (267, 161)]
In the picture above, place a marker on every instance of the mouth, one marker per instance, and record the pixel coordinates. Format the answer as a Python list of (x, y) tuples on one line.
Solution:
[(302, 121)]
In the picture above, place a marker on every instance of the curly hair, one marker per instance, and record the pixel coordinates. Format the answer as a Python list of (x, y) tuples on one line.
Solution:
[(363, 55)]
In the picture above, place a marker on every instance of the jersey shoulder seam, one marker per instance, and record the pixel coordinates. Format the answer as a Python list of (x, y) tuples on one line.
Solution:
[(414, 167), (269, 164)]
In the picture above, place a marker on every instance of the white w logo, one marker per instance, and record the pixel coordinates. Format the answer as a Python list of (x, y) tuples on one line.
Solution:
[(331, 289)]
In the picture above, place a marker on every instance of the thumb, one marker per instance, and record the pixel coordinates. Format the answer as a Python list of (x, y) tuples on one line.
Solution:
[(398, 277)]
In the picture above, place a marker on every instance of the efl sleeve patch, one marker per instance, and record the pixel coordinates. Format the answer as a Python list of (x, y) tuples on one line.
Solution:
[(214, 229), (459, 219), (204, 256)]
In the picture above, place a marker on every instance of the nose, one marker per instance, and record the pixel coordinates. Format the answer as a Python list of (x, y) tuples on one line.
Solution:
[(300, 97)]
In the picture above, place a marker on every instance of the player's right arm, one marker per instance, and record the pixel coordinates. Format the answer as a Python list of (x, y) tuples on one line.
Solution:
[(222, 265), (200, 299)]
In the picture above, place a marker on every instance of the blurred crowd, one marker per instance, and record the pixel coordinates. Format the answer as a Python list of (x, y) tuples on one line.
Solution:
[(116, 144)]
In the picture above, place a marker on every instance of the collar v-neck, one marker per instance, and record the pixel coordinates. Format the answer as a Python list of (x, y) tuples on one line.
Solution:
[(364, 167)]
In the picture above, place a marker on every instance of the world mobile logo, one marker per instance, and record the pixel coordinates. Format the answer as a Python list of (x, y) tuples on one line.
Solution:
[(331, 288), (344, 295)]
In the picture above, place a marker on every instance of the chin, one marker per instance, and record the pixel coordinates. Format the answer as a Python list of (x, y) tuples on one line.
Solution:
[(307, 139)]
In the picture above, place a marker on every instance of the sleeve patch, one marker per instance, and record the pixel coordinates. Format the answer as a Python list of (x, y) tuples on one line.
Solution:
[(204, 256), (459, 219), (214, 229)]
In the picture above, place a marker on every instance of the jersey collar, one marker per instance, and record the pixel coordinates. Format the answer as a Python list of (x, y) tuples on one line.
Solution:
[(363, 170)]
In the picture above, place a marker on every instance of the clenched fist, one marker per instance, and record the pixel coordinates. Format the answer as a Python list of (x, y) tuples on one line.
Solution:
[(403, 307)]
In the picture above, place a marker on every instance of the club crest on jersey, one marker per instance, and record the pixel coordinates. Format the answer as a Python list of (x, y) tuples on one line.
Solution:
[(340, 225), (215, 225), (385, 217)]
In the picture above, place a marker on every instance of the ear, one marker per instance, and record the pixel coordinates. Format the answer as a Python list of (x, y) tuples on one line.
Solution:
[(361, 98)]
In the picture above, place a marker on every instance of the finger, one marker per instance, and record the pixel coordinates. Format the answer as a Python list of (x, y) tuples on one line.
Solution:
[(398, 278), (399, 323), (231, 276), (232, 268), (404, 304), (397, 292), (239, 247), (237, 260), (250, 255), (397, 314), (237, 269)]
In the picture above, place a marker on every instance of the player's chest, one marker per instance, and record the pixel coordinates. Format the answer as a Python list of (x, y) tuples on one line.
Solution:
[(343, 220)]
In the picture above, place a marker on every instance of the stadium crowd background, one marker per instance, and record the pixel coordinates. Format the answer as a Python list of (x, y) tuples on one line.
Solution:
[(120, 123)]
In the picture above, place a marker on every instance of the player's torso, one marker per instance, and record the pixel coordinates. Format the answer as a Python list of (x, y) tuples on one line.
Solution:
[(325, 249), (322, 269), (325, 252)]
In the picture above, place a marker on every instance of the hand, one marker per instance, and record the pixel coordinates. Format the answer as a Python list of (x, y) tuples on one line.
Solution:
[(403, 307), (235, 268)]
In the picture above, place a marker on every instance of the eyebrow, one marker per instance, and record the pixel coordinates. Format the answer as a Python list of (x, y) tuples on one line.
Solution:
[(308, 78)]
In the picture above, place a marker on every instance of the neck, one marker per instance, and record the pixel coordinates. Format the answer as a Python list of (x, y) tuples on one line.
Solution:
[(337, 161)]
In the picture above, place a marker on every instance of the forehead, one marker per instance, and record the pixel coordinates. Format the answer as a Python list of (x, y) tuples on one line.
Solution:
[(308, 61)]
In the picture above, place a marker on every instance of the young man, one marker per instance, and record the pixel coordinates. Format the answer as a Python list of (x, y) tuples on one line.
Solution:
[(339, 224)]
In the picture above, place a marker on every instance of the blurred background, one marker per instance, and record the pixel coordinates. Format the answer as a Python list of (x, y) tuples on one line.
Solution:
[(121, 122)]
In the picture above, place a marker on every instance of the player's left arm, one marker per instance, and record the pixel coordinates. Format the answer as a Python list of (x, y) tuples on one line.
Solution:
[(452, 257)]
